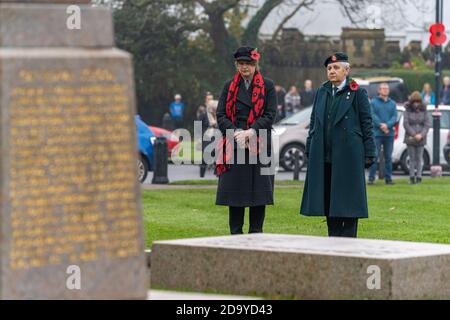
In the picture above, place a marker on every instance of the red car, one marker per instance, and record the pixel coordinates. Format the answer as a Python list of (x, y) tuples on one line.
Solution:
[(172, 140)]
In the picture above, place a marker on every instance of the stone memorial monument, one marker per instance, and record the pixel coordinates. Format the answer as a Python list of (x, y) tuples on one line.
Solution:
[(70, 213), (303, 267)]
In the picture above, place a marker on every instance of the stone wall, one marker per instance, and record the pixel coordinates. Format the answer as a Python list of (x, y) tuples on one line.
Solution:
[(295, 57)]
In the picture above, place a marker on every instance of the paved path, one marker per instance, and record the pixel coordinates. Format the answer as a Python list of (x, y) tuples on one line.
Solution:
[(174, 295), (174, 187), (191, 172)]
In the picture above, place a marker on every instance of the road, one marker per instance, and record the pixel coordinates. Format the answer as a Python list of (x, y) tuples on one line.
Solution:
[(192, 172)]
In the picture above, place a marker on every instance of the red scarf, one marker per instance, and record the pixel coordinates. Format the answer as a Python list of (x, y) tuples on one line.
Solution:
[(258, 95)]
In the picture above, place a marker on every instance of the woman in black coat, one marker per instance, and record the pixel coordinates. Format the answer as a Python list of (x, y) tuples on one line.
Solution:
[(246, 111)]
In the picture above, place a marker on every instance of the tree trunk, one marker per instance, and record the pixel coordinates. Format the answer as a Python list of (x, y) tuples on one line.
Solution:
[(223, 42), (250, 37)]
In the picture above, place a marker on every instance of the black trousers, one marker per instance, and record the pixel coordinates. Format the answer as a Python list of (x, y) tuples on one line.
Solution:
[(257, 215), (337, 227)]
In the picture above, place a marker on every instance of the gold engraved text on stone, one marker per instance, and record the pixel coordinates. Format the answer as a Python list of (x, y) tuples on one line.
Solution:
[(72, 174)]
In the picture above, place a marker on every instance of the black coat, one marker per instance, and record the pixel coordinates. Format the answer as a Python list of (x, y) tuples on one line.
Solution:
[(244, 185)]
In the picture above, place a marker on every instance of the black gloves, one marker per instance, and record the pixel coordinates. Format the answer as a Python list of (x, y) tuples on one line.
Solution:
[(369, 162)]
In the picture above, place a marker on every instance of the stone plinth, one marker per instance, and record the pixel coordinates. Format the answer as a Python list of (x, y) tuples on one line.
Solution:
[(70, 211), (303, 267), (44, 25), (68, 2)]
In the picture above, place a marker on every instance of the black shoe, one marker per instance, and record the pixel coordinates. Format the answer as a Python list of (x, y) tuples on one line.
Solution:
[(412, 180), (390, 182), (370, 182), (418, 180)]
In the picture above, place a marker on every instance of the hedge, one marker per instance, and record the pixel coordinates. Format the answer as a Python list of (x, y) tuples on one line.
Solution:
[(414, 79)]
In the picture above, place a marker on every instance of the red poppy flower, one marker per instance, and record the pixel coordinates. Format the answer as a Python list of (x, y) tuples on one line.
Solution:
[(438, 36), (353, 85), (255, 55)]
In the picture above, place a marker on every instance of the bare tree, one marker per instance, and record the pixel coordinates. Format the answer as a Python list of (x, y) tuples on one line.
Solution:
[(211, 16), (216, 28), (302, 4), (391, 13)]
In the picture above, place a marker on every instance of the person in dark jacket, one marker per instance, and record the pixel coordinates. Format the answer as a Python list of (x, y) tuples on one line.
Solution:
[(445, 91), (281, 107), (202, 116), (307, 94), (339, 146), (417, 124), (247, 108)]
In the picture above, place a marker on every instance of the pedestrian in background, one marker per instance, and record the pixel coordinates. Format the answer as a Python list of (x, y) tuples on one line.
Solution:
[(445, 92), (427, 94), (281, 107), (384, 115), (211, 111), (202, 116), (292, 101), (417, 124), (167, 122), (307, 94), (208, 97), (176, 109)]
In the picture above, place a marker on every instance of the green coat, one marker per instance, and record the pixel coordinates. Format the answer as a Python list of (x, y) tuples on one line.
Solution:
[(352, 141)]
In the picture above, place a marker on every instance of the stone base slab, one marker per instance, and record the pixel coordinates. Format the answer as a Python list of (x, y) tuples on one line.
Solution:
[(303, 267)]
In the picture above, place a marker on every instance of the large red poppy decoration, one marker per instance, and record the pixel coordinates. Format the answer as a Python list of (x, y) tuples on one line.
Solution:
[(438, 36), (255, 55), (353, 85)]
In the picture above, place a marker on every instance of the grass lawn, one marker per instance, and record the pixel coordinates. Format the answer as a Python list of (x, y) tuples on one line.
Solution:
[(400, 212)]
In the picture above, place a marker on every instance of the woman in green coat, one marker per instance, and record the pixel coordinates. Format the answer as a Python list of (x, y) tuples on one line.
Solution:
[(340, 145)]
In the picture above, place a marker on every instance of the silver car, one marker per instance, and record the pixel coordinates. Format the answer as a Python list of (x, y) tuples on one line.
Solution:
[(291, 133)]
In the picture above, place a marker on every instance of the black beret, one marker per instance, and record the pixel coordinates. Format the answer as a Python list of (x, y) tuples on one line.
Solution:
[(243, 53), (336, 57)]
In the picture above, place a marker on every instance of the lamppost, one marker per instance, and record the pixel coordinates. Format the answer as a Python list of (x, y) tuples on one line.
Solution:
[(437, 38)]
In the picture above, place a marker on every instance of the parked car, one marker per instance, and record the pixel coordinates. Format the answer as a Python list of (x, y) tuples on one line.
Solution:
[(447, 150), (400, 155), (172, 139), (292, 133), (145, 139), (397, 88)]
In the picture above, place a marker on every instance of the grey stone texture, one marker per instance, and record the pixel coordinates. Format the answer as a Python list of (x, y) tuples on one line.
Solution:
[(70, 212), (45, 25), (303, 267)]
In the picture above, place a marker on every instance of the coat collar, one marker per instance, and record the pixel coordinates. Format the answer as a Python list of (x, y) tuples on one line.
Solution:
[(329, 86), (346, 96), (244, 95)]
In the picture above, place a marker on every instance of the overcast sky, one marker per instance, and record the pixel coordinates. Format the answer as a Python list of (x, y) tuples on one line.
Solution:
[(327, 19)]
